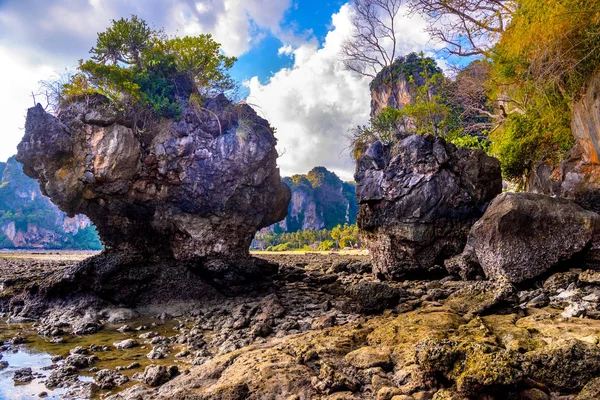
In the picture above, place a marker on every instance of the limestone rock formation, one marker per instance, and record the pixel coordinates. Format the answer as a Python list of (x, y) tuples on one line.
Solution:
[(523, 235), (193, 190), (578, 177), (418, 200), (320, 199), (407, 72)]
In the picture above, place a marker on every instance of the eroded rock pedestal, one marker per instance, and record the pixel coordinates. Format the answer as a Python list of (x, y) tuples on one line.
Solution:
[(192, 191), (419, 199)]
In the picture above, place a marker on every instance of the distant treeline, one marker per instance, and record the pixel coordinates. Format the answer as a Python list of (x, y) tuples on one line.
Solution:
[(340, 237)]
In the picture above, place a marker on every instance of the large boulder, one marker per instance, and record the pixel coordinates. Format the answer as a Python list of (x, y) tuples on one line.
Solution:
[(418, 200), (193, 190), (523, 235)]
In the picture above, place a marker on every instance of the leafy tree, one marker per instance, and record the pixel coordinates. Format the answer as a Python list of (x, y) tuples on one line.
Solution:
[(133, 64), (123, 42)]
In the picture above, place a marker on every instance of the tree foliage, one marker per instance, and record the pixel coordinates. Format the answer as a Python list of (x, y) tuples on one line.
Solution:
[(434, 109), (540, 66), (133, 64), (341, 236)]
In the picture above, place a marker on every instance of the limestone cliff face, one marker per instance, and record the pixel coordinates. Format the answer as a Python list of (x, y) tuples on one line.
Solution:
[(383, 96), (190, 190), (578, 177), (30, 220), (407, 76), (319, 200)]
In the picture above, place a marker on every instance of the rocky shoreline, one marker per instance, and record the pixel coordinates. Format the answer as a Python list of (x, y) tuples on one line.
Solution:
[(324, 327)]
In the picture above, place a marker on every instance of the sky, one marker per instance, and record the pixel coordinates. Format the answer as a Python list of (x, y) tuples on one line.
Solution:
[(288, 62)]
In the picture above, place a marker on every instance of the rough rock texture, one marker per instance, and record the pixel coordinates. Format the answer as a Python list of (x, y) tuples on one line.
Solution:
[(193, 191), (523, 235), (574, 179), (578, 177), (430, 345), (585, 121), (418, 200), (190, 189)]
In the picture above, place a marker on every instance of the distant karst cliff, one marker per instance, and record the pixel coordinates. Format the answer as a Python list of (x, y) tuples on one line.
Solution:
[(30, 220), (320, 200)]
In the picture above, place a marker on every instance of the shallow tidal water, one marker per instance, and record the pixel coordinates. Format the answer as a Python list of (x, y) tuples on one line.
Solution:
[(37, 352), (26, 357)]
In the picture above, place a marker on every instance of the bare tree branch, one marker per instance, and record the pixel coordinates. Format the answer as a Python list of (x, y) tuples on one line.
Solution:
[(467, 27), (372, 45)]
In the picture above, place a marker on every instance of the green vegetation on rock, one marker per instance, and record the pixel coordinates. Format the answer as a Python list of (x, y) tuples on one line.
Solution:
[(30, 220), (135, 65)]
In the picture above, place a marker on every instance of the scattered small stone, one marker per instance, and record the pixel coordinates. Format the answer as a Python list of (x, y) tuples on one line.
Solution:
[(183, 353), (79, 350), (23, 375), (56, 359), (126, 344), (156, 375), (124, 328), (108, 379), (148, 335), (158, 352)]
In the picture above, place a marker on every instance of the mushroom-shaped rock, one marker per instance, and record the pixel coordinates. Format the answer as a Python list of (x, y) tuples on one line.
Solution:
[(191, 191), (418, 200)]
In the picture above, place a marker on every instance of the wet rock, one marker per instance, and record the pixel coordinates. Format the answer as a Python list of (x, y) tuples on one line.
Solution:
[(156, 375), (559, 228), (158, 352), (82, 390), (108, 379), (261, 329), (183, 353), (374, 297), (62, 377), (23, 375), (539, 301), (3, 365), (79, 350), (418, 200), (79, 361), (368, 357), (148, 335), (126, 344), (189, 192), (326, 321), (86, 327)]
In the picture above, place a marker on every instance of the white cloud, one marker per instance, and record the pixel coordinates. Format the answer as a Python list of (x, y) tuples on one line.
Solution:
[(17, 80), (315, 103), (39, 38), (287, 50)]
